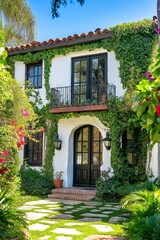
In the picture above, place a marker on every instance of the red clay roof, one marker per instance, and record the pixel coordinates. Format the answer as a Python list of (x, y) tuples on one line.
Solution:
[(69, 41)]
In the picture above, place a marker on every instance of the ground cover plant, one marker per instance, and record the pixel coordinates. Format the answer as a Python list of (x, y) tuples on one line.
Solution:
[(145, 208), (66, 219)]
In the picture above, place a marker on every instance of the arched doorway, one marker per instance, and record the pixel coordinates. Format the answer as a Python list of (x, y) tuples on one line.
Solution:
[(87, 155)]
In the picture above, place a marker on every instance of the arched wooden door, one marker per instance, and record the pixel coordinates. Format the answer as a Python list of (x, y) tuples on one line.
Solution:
[(87, 155)]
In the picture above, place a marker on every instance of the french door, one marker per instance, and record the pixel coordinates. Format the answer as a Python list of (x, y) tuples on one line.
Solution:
[(87, 155), (89, 79)]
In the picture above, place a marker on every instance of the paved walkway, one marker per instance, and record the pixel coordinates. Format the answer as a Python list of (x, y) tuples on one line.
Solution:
[(49, 216)]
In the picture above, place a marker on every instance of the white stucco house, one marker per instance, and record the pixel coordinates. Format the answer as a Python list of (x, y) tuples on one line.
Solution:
[(80, 81)]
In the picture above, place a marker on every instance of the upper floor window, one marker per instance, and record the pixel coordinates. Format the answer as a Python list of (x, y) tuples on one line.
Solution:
[(34, 74), (89, 79), (33, 150)]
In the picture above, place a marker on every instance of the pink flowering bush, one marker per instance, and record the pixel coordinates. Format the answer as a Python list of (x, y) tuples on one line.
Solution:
[(147, 101), (17, 122)]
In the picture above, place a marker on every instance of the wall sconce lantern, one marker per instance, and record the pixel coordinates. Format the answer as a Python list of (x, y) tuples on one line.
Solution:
[(57, 142), (107, 141)]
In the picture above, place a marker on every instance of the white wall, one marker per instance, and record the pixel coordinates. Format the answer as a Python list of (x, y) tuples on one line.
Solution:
[(154, 160), (63, 159), (20, 75), (61, 69), (60, 74)]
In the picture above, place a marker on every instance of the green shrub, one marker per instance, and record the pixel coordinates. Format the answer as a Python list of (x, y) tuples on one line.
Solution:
[(108, 188), (145, 208), (12, 221), (129, 188), (35, 182), (157, 182)]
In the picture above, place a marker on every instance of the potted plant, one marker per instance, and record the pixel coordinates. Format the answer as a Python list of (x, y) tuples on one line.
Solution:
[(58, 182)]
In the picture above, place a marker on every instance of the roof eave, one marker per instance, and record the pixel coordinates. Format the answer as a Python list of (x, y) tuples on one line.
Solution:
[(62, 44)]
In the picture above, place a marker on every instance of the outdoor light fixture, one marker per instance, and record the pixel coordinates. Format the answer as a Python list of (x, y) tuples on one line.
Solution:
[(57, 142), (107, 141)]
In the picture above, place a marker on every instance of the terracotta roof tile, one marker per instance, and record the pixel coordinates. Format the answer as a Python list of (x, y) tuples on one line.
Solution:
[(51, 43)]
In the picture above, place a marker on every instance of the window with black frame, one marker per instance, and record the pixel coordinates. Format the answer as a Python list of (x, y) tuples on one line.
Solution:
[(89, 79), (33, 150), (34, 74)]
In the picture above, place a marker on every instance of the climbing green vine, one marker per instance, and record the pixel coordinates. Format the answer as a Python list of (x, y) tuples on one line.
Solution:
[(134, 45)]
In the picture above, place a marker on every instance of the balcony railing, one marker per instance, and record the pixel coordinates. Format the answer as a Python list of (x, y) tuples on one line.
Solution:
[(78, 96)]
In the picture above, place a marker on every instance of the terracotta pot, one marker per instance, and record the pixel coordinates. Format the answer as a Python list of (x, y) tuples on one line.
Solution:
[(58, 183)]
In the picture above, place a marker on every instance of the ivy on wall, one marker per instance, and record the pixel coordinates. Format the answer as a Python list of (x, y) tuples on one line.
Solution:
[(133, 44)]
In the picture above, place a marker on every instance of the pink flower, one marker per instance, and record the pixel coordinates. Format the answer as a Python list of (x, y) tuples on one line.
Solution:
[(158, 31), (24, 113), (2, 160), (5, 153), (139, 103), (3, 170), (158, 110), (148, 74), (152, 78)]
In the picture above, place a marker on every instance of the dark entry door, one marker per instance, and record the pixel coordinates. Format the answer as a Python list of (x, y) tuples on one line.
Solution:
[(87, 155)]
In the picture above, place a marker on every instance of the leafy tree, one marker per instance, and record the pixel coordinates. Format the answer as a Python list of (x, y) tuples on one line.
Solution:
[(56, 4), (17, 21), (147, 100)]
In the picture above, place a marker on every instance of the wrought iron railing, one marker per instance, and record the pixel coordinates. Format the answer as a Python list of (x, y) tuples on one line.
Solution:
[(80, 96)]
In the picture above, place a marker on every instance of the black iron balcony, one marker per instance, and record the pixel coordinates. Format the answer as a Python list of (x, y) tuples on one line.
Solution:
[(79, 95)]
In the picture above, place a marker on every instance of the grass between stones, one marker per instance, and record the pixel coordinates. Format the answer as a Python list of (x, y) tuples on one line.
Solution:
[(60, 220)]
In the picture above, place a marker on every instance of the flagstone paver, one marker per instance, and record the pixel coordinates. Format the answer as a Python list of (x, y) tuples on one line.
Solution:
[(107, 208), (38, 227), (45, 237), (34, 215), (70, 231), (94, 215), (90, 220), (27, 207), (62, 216), (48, 222), (117, 219), (103, 228), (44, 210), (67, 207), (103, 237), (107, 212), (55, 209), (95, 210), (92, 203), (63, 238), (83, 207)]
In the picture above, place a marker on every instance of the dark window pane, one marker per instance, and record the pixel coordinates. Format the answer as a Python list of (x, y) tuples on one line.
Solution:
[(85, 158), (77, 66), (96, 147), (76, 77), (85, 134), (78, 158), (96, 134), (96, 160), (34, 74), (85, 147), (33, 150)]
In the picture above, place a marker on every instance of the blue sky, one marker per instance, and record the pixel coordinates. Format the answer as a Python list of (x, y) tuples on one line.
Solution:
[(93, 14)]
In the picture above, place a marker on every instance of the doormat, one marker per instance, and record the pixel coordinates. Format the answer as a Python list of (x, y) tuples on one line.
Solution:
[(88, 189)]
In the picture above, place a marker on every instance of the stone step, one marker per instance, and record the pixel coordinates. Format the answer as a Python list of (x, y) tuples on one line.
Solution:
[(76, 191), (79, 197)]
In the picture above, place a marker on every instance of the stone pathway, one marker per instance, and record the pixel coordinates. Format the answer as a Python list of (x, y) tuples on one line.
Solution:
[(47, 216)]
